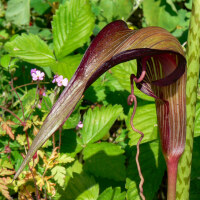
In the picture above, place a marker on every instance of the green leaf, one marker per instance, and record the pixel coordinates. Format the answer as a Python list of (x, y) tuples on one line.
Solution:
[(122, 73), (18, 12), (106, 89), (3, 33), (160, 14), (152, 166), (105, 160), (17, 159), (72, 25), (32, 49), (6, 164), (65, 159), (40, 6), (97, 122), (74, 118), (112, 194), (5, 61), (28, 100), (46, 104), (145, 120), (71, 143), (67, 66), (108, 11), (75, 168), (58, 173), (81, 187)]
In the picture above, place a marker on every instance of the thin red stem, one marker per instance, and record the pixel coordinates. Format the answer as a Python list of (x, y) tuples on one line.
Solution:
[(60, 131), (11, 84), (132, 99), (138, 149), (54, 143), (34, 83), (12, 113), (27, 139)]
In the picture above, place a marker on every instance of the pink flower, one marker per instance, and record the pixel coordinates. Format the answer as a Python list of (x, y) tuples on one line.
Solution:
[(60, 81), (79, 125), (37, 75), (54, 78)]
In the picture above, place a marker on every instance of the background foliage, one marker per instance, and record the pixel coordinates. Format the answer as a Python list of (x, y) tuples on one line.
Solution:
[(96, 161)]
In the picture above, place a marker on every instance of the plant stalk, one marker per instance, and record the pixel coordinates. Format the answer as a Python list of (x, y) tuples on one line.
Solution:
[(193, 52), (172, 167)]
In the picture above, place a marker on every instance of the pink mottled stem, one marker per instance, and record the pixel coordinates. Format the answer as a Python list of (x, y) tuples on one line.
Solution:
[(138, 148)]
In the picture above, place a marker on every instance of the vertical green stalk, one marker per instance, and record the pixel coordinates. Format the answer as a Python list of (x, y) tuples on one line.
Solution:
[(193, 54)]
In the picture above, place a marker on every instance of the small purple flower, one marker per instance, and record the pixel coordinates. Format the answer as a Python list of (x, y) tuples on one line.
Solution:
[(54, 78), (60, 81), (37, 75), (33, 71), (79, 125)]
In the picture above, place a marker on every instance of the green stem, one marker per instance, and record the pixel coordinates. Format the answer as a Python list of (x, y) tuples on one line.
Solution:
[(193, 52)]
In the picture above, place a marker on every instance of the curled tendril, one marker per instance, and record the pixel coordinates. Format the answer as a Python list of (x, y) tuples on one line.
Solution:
[(130, 100)]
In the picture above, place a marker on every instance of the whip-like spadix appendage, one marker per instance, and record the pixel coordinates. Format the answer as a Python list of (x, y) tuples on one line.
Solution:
[(116, 43)]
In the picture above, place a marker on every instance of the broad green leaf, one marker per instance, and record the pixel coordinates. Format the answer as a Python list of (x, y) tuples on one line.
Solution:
[(152, 166), (32, 49), (18, 12), (40, 6), (67, 66), (112, 194), (97, 122), (158, 14), (108, 11), (5, 61), (122, 73), (76, 167), (105, 160), (172, 5), (108, 90), (70, 143), (188, 4), (145, 120), (182, 29), (72, 25), (58, 173), (81, 187)]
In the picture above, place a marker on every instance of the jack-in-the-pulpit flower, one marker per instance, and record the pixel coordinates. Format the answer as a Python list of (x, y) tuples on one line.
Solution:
[(161, 73), (60, 81), (37, 75)]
